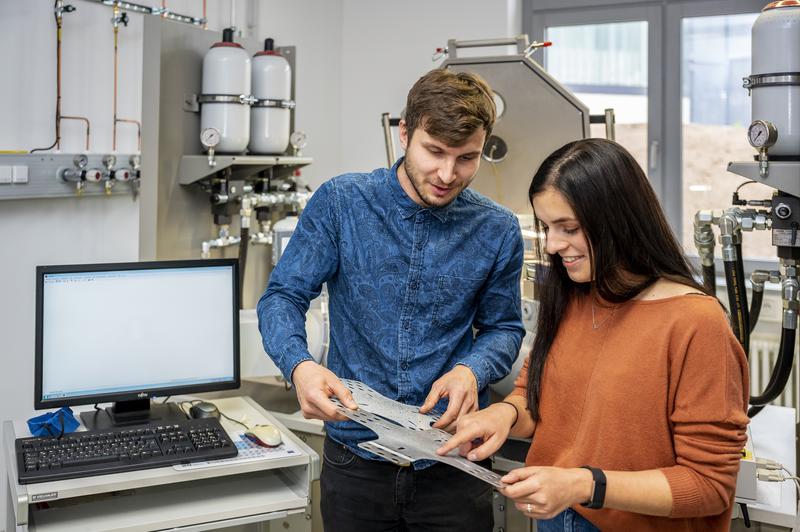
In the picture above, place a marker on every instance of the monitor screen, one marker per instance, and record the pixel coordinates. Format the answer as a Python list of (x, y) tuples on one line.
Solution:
[(119, 332)]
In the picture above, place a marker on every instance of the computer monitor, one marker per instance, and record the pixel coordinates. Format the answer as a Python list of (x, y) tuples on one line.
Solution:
[(128, 332)]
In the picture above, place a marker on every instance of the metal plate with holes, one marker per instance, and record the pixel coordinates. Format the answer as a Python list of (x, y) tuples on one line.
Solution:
[(404, 415), (404, 439)]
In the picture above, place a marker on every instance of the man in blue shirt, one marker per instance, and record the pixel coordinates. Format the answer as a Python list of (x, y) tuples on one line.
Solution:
[(423, 276)]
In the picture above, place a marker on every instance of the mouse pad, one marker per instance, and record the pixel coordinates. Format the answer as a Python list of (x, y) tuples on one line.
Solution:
[(404, 434)]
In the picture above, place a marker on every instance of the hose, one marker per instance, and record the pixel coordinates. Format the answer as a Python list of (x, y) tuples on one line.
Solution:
[(755, 307), (740, 281), (780, 373), (244, 243), (736, 304), (710, 279)]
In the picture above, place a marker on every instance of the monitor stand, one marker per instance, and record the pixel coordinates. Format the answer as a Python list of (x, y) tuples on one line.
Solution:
[(132, 413)]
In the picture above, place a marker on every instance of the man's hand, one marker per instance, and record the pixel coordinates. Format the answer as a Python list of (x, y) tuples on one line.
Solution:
[(315, 385), (460, 387)]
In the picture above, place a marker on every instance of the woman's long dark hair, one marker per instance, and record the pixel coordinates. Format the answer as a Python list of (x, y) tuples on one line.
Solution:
[(631, 243)]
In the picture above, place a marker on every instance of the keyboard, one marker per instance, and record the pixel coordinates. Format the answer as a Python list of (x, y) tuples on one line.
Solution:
[(130, 448)]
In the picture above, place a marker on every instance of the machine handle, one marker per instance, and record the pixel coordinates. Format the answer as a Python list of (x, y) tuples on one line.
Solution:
[(520, 40)]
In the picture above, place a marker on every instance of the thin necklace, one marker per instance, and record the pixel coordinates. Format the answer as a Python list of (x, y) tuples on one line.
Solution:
[(595, 324)]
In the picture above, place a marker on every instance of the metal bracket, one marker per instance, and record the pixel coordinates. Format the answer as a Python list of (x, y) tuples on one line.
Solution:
[(241, 99), (281, 104), (404, 434), (771, 80), (190, 103)]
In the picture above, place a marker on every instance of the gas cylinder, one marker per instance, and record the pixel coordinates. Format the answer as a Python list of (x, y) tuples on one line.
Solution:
[(271, 111), (225, 97), (775, 79)]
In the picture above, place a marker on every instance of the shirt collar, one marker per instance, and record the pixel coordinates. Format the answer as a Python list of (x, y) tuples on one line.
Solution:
[(406, 205)]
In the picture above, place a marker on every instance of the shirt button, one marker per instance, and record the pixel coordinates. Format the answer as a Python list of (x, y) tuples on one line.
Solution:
[(407, 325), (420, 245), (414, 285), (404, 366)]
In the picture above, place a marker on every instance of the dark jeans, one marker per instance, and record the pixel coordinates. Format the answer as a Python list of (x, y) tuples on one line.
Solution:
[(567, 521), (367, 495)]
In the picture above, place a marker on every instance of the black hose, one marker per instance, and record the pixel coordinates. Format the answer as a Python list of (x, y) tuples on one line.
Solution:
[(740, 278), (755, 308), (710, 279), (244, 243), (738, 322), (781, 371), (58, 94)]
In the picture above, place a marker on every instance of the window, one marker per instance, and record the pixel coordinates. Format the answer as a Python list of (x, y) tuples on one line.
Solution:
[(605, 66)]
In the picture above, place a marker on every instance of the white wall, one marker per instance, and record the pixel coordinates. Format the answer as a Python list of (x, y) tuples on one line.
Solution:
[(355, 60), (384, 51)]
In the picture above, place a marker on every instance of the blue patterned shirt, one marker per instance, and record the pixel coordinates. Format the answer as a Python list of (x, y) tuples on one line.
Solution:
[(413, 291)]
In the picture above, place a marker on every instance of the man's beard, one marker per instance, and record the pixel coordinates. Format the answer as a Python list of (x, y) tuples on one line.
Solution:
[(410, 172)]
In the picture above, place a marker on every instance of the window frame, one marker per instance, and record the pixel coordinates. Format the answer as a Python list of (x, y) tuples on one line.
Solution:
[(665, 132)]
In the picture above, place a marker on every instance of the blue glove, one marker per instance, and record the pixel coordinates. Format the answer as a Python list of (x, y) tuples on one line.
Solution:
[(53, 423)]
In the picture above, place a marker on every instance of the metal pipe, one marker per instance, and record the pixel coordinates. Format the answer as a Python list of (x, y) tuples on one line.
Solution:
[(704, 242), (116, 20), (610, 124), (147, 10), (388, 139), (58, 10), (224, 240)]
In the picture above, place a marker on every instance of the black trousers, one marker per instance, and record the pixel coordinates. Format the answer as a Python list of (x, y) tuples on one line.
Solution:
[(369, 496)]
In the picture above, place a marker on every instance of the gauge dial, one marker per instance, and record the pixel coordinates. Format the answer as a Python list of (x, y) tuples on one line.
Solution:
[(210, 137), (762, 134), (298, 140)]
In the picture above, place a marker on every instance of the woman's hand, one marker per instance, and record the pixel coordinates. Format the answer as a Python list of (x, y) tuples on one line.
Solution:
[(544, 492), (491, 425)]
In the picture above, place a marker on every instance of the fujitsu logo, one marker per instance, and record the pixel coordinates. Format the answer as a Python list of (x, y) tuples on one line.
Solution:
[(142, 395)]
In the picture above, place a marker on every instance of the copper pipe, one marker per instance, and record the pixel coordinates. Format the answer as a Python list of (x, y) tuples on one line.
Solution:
[(57, 8), (80, 118), (205, 18), (117, 120), (138, 130)]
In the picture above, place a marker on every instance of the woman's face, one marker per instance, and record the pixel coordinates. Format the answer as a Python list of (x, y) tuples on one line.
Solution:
[(564, 234)]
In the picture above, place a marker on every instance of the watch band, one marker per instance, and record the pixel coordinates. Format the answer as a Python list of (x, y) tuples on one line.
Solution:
[(599, 489)]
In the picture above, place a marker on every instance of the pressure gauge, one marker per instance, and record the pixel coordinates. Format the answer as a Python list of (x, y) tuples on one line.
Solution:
[(499, 104), (762, 134), (298, 140), (210, 137)]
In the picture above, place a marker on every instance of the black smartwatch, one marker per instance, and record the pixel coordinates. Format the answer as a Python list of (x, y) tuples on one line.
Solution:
[(598, 489)]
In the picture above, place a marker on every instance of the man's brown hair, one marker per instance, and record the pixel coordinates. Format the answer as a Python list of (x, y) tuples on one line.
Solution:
[(450, 106)]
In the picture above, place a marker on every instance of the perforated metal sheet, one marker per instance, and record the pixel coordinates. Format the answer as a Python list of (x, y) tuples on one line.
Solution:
[(402, 414), (404, 435)]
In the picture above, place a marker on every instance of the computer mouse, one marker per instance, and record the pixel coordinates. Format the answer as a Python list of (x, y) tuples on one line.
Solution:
[(267, 435), (203, 410)]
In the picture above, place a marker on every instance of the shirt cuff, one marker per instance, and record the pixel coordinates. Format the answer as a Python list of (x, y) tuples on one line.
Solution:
[(289, 373), (685, 494), (479, 370)]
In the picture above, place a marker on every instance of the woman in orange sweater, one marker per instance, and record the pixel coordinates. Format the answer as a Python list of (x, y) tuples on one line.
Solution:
[(635, 392)]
